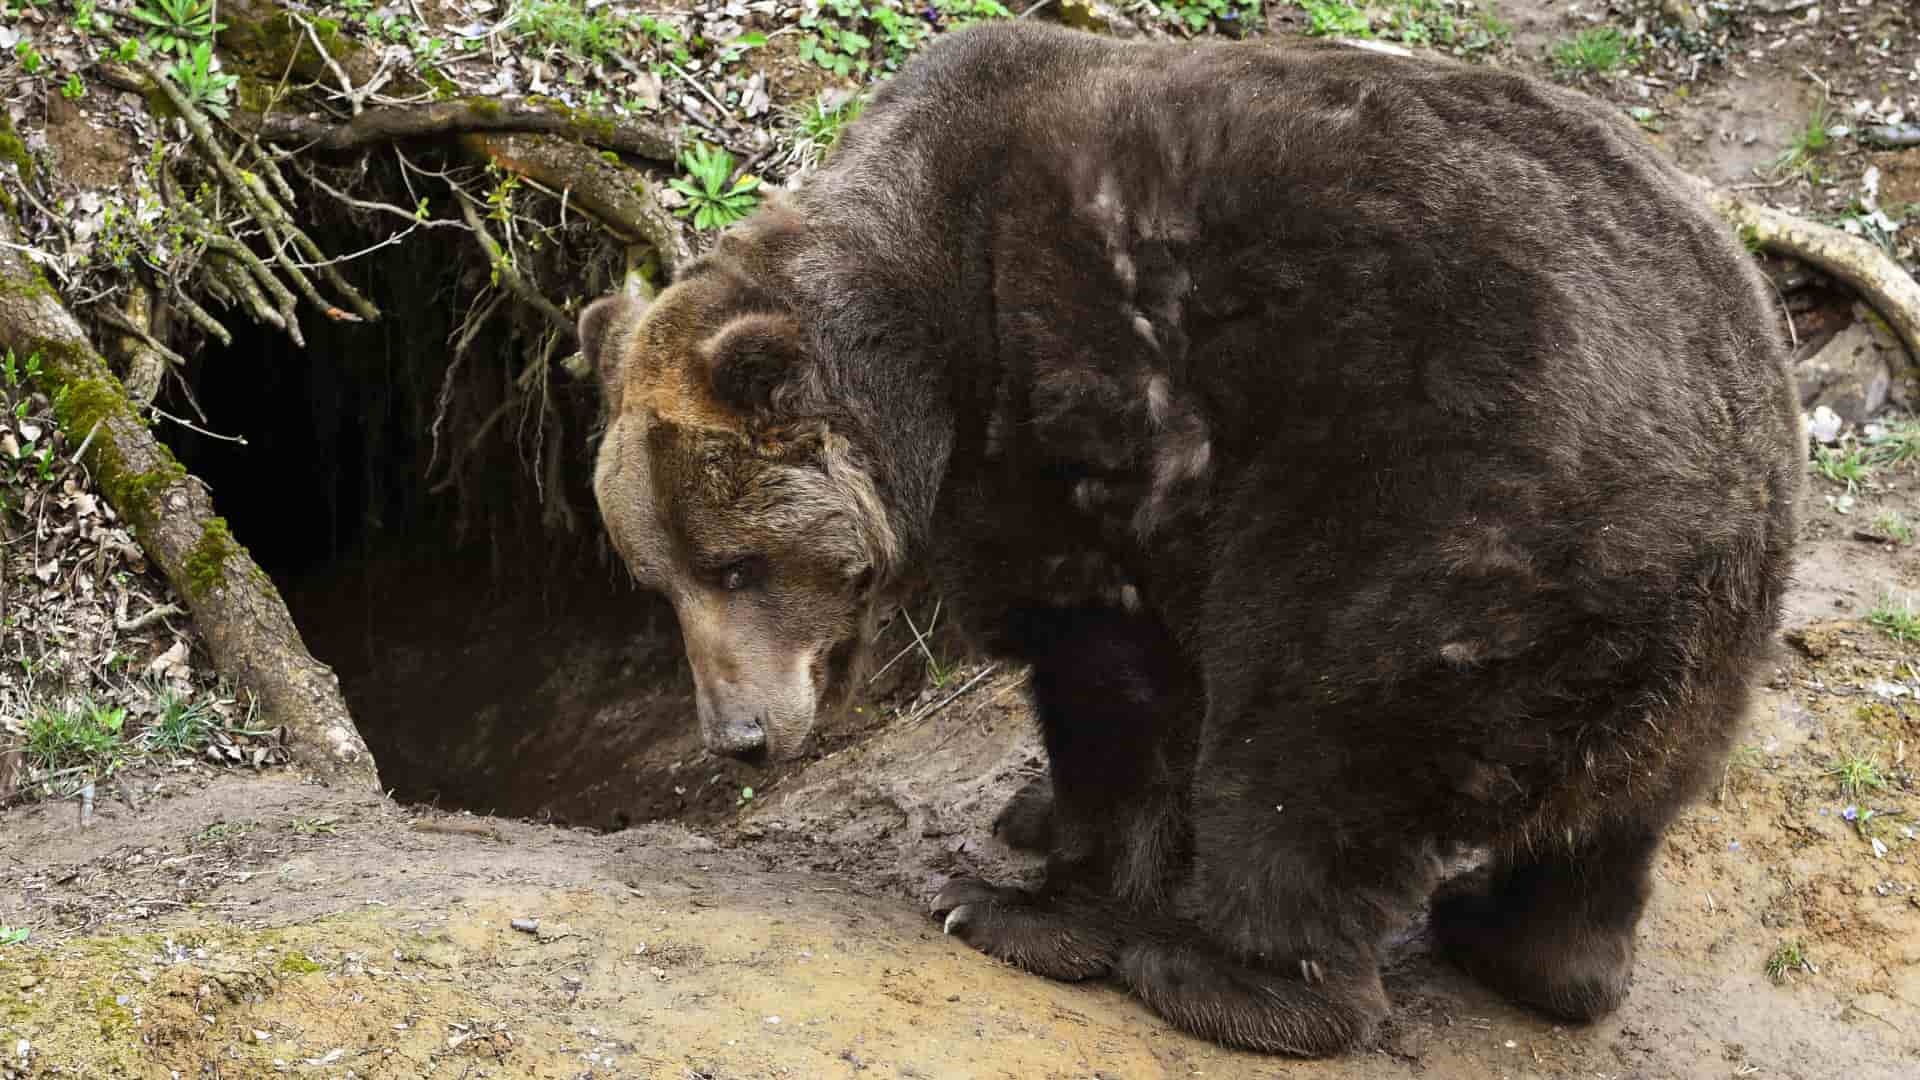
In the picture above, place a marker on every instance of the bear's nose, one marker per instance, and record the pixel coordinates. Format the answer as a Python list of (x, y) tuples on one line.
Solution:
[(740, 737)]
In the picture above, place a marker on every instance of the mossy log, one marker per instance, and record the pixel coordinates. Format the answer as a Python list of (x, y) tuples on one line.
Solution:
[(235, 606)]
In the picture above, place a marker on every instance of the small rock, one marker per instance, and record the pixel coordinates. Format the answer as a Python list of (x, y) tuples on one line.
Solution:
[(1851, 374), (527, 926), (1823, 426)]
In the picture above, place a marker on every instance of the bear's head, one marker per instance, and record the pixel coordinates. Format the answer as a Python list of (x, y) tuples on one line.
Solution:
[(724, 491)]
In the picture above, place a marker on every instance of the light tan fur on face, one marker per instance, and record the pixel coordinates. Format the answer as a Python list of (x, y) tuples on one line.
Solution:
[(793, 492)]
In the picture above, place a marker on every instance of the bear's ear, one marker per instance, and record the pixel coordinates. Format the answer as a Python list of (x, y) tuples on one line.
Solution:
[(604, 328), (750, 357)]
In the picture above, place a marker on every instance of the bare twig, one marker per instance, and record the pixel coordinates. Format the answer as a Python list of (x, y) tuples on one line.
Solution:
[(953, 697), (378, 207), (195, 428), (509, 275), (354, 97), (153, 615)]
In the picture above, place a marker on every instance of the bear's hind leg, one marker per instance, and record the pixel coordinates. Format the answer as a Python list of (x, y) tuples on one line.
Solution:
[(1303, 862), (1554, 929), (1117, 711)]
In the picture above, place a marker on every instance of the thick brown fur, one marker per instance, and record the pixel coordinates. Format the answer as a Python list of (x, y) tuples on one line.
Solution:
[(1374, 459)]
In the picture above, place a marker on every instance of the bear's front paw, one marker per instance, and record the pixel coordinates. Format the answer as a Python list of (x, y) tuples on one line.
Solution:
[(1059, 940)]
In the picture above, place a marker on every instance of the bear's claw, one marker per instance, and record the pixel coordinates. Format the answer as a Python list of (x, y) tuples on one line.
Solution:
[(956, 917)]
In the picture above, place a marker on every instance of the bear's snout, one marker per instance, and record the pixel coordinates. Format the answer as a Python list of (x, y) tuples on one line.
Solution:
[(731, 729)]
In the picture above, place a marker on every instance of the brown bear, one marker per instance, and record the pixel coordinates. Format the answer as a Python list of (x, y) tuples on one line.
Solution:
[(1375, 460)]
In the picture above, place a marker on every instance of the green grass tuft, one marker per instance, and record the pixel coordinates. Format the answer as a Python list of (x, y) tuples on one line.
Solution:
[(1598, 50), (1894, 526), (1899, 622), (1790, 957), (1849, 467), (1898, 444), (819, 124), (1802, 152), (1858, 775), (183, 726)]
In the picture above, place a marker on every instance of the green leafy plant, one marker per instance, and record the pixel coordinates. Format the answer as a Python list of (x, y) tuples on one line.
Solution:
[(1597, 50), (87, 18), (15, 371), (13, 935), (1235, 17), (129, 51), (1336, 18), (86, 737), (29, 57), (568, 27), (712, 201), (73, 89), (176, 26), (1897, 444), (733, 50), (855, 37), (202, 85), (1858, 775)]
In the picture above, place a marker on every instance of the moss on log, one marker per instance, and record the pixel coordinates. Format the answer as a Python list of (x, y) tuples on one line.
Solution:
[(237, 609)]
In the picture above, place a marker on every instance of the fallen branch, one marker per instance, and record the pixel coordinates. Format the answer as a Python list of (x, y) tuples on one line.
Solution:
[(247, 628), (1870, 272), (479, 115)]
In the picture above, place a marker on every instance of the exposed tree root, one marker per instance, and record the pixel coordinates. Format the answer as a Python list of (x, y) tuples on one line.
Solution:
[(614, 194), (239, 612), (1870, 272), (532, 117)]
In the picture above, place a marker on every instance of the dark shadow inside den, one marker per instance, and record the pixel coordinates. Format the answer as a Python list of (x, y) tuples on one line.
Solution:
[(492, 650)]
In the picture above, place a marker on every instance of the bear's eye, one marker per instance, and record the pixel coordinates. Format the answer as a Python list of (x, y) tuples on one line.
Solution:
[(742, 573)]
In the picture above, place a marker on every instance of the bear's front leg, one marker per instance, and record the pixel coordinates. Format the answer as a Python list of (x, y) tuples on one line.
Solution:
[(1118, 709)]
